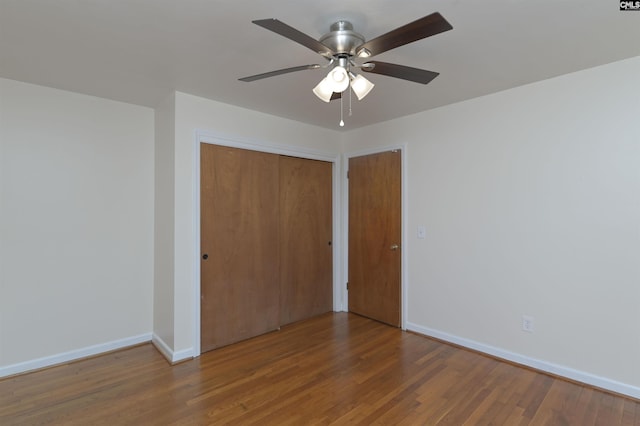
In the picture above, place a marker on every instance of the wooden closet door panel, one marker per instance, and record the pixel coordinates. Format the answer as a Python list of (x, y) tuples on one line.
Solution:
[(239, 237), (375, 223), (306, 250)]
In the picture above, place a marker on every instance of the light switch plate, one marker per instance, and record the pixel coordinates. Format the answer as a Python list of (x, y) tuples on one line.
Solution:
[(422, 232)]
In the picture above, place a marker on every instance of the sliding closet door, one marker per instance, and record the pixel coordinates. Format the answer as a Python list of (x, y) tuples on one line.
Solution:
[(306, 288), (239, 245)]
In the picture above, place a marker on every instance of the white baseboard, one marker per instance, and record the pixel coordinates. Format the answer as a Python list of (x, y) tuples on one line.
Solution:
[(168, 353), (559, 370), (48, 361)]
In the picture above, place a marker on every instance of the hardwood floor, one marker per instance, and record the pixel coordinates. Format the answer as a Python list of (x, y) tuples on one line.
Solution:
[(333, 369)]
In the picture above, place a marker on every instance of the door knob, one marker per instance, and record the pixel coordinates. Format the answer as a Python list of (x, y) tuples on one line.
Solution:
[(394, 247), (205, 256)]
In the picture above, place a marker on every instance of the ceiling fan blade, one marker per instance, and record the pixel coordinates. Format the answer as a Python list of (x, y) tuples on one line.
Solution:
[(400, 71), (292, 34), (278, 72), (417, 30)]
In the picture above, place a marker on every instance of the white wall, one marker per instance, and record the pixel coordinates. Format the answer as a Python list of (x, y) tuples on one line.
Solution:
[(531, 201), (193, 113), (163, 312), (76, 228)]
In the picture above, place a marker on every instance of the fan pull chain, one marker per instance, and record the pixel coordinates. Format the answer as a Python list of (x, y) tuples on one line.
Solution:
[(350, 112), (341, 120)]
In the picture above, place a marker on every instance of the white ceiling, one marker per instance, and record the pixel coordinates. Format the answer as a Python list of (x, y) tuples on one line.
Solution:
[(138, 51)]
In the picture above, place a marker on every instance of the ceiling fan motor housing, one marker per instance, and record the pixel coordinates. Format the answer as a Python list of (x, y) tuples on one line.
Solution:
[(342, 39)]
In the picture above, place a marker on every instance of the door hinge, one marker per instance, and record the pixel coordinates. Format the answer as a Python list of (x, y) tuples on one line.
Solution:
[(347, 174), (347, 285)]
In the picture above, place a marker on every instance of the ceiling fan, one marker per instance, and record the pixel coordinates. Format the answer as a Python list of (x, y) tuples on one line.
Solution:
[(346, 52)]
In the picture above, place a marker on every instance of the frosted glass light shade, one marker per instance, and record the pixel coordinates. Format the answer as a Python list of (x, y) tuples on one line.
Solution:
[(339, 79), (324, 90), (361, 86)]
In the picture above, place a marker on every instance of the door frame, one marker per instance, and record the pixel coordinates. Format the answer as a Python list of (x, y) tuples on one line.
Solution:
[(205, 136), (404, 221)]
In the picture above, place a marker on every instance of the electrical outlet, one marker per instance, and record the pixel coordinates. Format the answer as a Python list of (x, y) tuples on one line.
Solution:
[(527, 323)]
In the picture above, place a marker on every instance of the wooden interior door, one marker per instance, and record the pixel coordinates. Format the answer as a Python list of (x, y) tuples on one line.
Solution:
[(239, 245), (374, 236), (306, 283)]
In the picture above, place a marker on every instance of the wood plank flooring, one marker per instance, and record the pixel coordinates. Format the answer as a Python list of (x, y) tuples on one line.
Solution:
[(334, 369)]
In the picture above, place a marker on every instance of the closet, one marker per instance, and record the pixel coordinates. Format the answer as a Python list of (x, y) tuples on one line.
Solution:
[(266, 249)]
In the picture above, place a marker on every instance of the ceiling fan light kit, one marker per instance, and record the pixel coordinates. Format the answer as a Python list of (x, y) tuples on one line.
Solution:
[(339, 79), (324, 89), (361, 86), (342, 46)]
